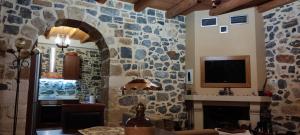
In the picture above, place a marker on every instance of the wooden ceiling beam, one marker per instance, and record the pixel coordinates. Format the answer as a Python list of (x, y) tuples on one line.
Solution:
[(201, 5), (72, 32), (130, 1), (140, 5), (181, 7), (101, 1), (85, 39), (227, 6), (273, 4)]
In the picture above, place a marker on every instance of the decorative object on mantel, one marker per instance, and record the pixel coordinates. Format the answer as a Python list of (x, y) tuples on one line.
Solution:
[(266, 91), (62, 41), (226, 91), (21, 60)]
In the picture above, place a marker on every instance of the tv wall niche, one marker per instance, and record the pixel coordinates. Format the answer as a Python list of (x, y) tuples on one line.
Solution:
[(225, 72)]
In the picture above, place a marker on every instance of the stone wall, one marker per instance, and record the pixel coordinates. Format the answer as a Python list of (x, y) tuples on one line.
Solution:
[(129, 38), (90, 71), (282, 31)]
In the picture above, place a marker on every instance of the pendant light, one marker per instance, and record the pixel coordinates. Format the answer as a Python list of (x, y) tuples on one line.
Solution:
[(140, 83)]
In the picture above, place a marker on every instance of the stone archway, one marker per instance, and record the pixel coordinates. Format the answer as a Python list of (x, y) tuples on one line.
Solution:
[(95, 36), (130, 37), (50, 18)]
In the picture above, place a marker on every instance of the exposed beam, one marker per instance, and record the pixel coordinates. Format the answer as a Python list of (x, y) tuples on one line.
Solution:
[(140, 5), (273, 4), (101, 1), (181, 7), (130, 1), (85, 39), (254, 3), (227, 6), (72, 32), (201, 5)]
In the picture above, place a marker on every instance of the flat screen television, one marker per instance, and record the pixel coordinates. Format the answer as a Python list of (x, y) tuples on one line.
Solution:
[(225, 72)]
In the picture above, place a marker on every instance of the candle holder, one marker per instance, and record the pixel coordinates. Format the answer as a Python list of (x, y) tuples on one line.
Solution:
[(21, 60)]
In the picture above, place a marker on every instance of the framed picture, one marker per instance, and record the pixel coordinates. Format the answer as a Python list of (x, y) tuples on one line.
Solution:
[(223, 29), (240, 19), (209, 22)]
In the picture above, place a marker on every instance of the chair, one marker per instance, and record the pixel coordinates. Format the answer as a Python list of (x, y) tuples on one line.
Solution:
[(80, 116)]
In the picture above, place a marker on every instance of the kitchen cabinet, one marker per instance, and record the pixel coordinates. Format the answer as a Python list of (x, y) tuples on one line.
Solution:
[(71, 67)]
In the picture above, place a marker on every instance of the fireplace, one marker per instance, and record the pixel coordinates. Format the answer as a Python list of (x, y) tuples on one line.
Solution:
[(248, 105), (224, 116)]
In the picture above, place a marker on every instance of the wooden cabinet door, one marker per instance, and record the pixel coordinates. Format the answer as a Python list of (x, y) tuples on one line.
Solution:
[(71, 69)]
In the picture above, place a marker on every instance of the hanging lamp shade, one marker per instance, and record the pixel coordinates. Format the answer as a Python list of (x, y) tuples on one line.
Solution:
[(141, 84)]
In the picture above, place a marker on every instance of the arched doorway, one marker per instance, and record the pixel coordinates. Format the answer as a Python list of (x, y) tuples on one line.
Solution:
[(104, 63), (97, 38)]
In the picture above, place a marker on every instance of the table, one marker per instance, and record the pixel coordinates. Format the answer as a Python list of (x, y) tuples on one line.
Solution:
[(102, 130)]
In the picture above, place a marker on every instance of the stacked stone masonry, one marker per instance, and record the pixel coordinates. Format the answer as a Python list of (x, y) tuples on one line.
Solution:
[(130, 38), (282, 31), (90, 74)]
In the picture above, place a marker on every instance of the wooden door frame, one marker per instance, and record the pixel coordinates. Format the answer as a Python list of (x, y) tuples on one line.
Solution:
[(31, 92)]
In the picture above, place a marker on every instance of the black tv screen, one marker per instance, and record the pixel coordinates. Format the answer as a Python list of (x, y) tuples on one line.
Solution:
[(225, 71)]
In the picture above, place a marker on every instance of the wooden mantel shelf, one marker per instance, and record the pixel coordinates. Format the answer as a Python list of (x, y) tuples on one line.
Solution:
[(202, 98)]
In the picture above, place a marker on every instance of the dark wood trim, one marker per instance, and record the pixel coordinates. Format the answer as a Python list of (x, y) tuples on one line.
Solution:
[(227, 7), (223, 85), (201, 5), (30, 96), (140, 5), (273, 4), (101, 1), (181, 7)]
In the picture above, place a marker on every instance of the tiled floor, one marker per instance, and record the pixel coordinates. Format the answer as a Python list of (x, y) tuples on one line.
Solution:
[(52, 132)]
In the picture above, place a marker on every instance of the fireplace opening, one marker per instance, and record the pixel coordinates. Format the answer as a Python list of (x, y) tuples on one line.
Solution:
[(224, 116)]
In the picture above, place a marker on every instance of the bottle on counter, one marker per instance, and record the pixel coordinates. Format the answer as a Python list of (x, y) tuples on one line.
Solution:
[(92, 99), (139, 125)]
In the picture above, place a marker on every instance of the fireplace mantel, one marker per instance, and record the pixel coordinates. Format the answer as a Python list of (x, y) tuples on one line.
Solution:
[(228, 98), (254, 102)]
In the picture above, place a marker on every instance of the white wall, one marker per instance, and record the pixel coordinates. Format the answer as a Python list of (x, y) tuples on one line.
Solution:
[(242, 39)]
